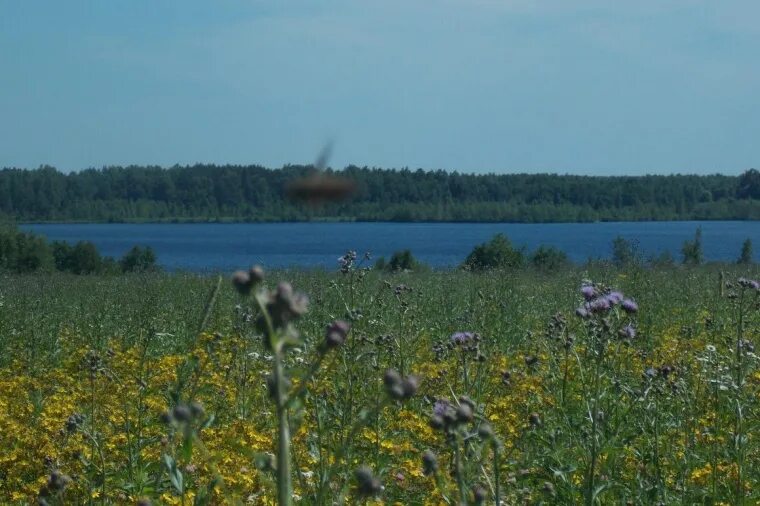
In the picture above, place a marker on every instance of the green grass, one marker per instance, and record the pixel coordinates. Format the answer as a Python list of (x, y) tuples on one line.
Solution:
[(36, 309), (677, 439)]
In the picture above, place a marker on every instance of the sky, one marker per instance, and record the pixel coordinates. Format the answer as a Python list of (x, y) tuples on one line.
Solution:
[(584, 87)]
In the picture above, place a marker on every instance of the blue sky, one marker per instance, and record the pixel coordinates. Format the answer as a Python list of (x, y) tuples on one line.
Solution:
[(583, 86)]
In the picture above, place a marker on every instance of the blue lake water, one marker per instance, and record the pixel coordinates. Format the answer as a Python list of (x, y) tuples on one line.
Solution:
[(209, 247)]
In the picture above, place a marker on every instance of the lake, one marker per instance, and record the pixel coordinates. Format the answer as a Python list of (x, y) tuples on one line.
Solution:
[(210, 247)]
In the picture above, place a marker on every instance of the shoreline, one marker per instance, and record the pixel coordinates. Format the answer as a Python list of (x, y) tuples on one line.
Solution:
[(232, 221)]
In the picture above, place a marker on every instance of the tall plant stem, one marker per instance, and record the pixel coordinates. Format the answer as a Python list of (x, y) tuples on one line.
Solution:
[(594, 417), (497, 491), (284, 485), (459, 473)]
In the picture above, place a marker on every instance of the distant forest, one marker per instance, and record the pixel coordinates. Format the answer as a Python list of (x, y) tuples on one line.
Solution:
[(254, 193)]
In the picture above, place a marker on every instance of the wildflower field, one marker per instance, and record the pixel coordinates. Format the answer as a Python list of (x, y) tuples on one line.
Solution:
[(588, 386)]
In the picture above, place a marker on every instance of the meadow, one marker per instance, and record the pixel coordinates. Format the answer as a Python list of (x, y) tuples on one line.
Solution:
[(590, 385)]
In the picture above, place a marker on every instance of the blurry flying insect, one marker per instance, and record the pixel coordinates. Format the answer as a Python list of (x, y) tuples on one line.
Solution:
[(320, 186)]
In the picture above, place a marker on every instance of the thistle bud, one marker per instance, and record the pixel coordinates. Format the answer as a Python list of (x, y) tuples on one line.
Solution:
[(396, 391), (391, 378), (285, 305), (485, 431), (256, 274), (284, 290), (241, 280), (409, 386), (466, 400), (336, 334), (367, 484), (196, 409), (429, 463), (629, 306), (464, 413), (73, 423), (582, 312), (181, 413), (57, 481)]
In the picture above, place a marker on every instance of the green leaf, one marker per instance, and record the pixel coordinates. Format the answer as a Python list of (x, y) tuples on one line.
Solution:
[(210, 420), (175, 475)]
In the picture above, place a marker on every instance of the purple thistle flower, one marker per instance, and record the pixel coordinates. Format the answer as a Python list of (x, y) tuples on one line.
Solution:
[(346, 262), (629, 331), (599, 305), (581, 312), (614, 297), (440, 407), (588, 291), (630, 306), (461, 337)]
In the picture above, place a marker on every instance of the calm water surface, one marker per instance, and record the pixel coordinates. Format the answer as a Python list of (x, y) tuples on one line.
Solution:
[(209, 247)]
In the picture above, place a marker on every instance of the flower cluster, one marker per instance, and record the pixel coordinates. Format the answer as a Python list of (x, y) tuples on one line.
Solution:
[(399, 387), (347, 261), (599, 301)]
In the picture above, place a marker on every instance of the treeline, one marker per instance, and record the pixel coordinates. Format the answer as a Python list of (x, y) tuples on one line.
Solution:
[(500, 253), (24, 252), (254, 193)]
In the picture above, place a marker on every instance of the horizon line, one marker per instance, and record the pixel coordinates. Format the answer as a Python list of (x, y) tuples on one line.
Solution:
[(371, 168)]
